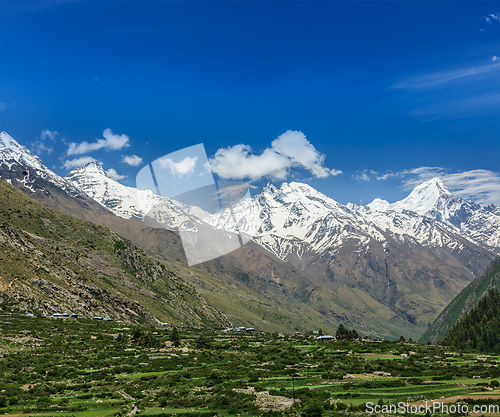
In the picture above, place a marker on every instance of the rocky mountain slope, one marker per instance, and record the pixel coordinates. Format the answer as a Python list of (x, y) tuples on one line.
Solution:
[(54, 263), (404, 260), (464, 302), (252, 287), (382, 269)]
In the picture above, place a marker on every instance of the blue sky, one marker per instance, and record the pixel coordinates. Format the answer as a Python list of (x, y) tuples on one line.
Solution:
[(385, 94)]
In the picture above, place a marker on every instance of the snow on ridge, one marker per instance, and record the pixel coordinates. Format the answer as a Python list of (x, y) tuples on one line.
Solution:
[(295, 217), (424, 197), (379, 205), (11, 153), (299, 213), (130, 202)]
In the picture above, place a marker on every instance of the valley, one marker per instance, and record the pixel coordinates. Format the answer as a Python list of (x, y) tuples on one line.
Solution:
[(81, 367), (384, 269)]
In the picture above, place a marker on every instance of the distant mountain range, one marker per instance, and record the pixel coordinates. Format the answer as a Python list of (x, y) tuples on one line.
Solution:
[(297, 221), (385, 269)]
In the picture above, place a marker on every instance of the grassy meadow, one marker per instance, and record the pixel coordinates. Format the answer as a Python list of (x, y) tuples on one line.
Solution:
[(81, 367)]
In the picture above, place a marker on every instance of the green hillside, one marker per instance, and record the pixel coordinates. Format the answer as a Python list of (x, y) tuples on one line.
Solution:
[(479, 329), (53, 263), (254, 288), (463, 302)]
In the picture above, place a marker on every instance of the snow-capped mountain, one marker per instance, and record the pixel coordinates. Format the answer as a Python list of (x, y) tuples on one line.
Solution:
[(291, 222), (297, 219), (26, 171), (405, 260), (394, 265), (294, 219), (423, 198), (401, 254), (433, 200), (298, 223), (18, 164), (129, 202)]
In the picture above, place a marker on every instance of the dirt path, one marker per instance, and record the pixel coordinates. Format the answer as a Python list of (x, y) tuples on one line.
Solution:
[(12, 282)]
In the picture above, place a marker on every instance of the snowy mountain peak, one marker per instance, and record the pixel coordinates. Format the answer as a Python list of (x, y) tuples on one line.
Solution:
[(424, 197), (11, 150), (269, 188), (379, 205), (17, 158), (297, 187), (434, 187), (438, 184), (128, 202), (7, 141), (92, 168)]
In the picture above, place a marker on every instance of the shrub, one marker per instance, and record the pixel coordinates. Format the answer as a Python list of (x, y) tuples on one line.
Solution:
[(204, 342), (313, 410), (217, 375), (174, 337), (253, 376)]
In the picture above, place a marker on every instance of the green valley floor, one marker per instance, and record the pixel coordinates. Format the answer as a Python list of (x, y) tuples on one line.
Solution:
[(81, 367)]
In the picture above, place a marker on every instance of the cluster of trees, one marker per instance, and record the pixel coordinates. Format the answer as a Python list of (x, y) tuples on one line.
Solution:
[(175, 338), (142, 338), (479, 329), (345, 334)]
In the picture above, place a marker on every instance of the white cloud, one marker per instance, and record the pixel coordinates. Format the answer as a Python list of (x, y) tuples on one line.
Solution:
[(492, 17), (422, 173), (111, 142), (114, 175), (387, 175), (479, 185), (133, 160), (206, 170), (290, 150), (364, 175), (48, 134), (452, 109), (183, 167), (3, 106), (437, 78), (78, 162), (40, 145), (449, 94)]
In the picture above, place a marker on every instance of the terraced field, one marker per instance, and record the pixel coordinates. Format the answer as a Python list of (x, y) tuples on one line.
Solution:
[(73, 367)]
